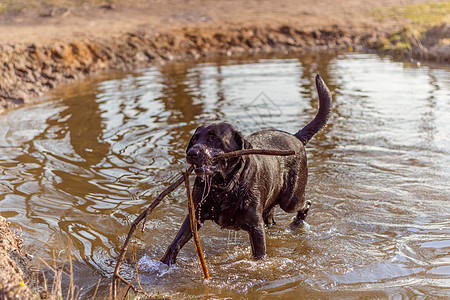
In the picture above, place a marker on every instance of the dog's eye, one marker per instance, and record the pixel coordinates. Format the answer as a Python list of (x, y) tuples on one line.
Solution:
[(211, 134)]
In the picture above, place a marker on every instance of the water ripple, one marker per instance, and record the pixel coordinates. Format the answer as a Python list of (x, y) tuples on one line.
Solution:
[(76, 171)]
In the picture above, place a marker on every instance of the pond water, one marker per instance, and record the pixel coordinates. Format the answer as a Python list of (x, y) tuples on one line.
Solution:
[(77, 170)]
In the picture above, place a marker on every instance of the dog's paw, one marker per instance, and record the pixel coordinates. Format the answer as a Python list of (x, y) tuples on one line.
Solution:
[(259, 257), (168, 260), (298, 224), (269, 223)]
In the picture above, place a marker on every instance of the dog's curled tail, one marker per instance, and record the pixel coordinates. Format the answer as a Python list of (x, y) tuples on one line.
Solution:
[(305, 134)]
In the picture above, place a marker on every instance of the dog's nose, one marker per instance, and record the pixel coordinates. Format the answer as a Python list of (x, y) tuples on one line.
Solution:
[(193, 153)]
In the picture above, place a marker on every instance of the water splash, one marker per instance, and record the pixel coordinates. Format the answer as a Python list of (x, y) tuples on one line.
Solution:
[(149, 268)]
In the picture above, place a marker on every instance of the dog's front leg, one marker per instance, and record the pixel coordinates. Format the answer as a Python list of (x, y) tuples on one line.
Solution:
[(185, 233), (258, 240), (182, 237)]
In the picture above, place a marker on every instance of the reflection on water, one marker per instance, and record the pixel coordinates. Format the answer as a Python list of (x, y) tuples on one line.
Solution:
[(76, 171)]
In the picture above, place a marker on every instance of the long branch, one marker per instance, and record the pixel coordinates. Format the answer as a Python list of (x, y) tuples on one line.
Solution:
[(141, 217), (254, 151)]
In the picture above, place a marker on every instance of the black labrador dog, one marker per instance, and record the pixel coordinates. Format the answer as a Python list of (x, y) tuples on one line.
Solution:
[(242, 192)]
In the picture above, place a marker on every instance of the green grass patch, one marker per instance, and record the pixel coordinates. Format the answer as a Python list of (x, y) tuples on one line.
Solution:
[(399, 40), (417, 19), (426, 14), (421, 16)]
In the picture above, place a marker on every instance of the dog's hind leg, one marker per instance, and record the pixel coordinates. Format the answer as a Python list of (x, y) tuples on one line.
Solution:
[(268, 217)]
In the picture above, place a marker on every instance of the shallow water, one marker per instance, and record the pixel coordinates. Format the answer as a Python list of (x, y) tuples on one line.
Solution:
[(77, 170)]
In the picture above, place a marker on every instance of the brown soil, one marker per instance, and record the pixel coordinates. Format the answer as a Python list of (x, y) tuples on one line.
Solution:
[(12, 264), (103, 21), (41, 48)]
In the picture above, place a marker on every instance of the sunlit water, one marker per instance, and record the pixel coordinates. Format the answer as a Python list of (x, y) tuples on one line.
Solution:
[(76, 171)]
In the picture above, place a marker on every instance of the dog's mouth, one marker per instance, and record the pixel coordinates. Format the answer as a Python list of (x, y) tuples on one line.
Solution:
[(204, 170), (207, 165)]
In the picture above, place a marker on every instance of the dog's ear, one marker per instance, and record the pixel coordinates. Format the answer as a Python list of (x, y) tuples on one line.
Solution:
[(241, 141), (191, 141)]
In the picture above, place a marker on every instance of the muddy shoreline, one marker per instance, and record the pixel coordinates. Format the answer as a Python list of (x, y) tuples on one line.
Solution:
[(44, 48), (30, 71), (13, 265)]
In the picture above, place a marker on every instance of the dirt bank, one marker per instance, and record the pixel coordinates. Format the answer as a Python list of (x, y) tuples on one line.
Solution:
[(12, 263), (43, 47)]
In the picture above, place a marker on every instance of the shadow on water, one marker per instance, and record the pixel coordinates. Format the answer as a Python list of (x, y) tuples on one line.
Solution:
[(78, 169)]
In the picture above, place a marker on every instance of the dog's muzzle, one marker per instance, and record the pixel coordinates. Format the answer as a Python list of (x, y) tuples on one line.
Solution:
[(202, 158)]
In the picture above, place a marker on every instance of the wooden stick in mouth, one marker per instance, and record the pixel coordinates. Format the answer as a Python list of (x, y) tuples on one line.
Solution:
[(254, 152)]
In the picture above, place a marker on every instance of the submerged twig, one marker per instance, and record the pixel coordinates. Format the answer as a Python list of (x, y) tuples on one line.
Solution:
[(129, 286), (96, 288), (193, 222), (142, 216), (254, 151), (137, 270)]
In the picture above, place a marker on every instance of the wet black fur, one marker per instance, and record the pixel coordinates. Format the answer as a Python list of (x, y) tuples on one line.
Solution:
[(241, 193)]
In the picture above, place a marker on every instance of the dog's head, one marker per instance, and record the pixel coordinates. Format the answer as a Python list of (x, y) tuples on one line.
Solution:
[(211, 140)]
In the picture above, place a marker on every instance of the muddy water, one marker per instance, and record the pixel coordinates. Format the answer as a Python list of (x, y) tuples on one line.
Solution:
[(76, 171)]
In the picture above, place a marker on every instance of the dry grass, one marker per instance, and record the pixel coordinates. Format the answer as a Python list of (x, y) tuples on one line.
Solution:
[(56, 288), (52, 288)]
